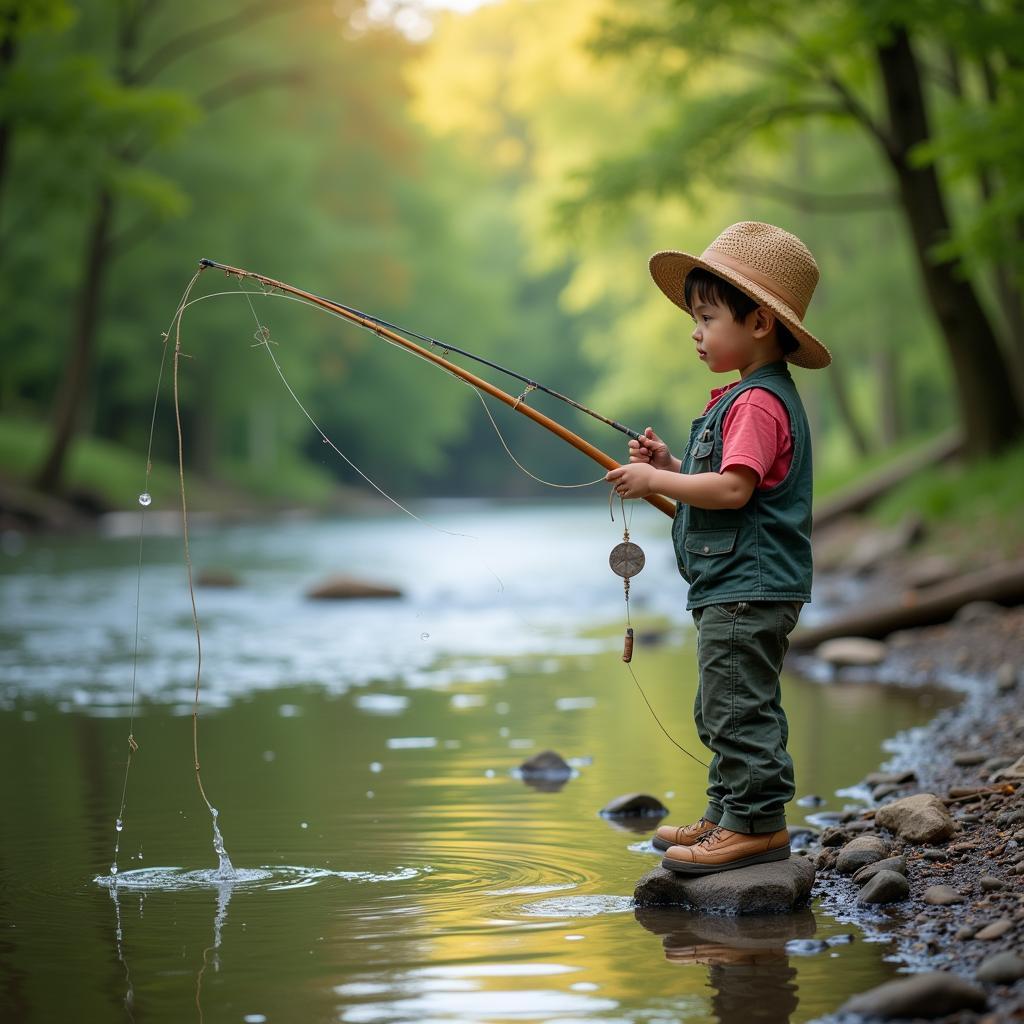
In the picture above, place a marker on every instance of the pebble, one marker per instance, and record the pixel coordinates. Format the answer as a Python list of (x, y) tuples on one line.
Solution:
[(810, 800), (931, 994), (942, 896), (921, 818), (969, 758), (885, 887), (933, 854), (995, 930), (1006, 677), (806, 947), (861, 851), (864, 874), (989, 883), (1001, 968), (893, 778), (852, 651)]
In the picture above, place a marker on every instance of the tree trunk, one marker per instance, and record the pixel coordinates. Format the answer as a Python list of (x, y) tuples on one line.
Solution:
[(989, 409), (8, 52), (844, 409), (75, 379), (887, 375)]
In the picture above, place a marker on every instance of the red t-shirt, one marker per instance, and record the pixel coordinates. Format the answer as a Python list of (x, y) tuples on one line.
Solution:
[(756, 434)]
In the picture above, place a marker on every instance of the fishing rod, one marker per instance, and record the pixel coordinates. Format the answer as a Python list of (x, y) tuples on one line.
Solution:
[(390, 331), (531, 384)]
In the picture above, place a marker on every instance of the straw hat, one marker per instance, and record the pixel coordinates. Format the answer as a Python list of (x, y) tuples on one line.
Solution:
[(770, 265)]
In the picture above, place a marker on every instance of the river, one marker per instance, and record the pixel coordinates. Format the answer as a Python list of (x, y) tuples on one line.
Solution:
[(391, 864)]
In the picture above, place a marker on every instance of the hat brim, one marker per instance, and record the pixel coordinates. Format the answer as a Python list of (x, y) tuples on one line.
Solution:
[(669, 269)]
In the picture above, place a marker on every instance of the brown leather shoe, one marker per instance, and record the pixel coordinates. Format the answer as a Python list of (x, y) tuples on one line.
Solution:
[(721, 850), (684, 835)]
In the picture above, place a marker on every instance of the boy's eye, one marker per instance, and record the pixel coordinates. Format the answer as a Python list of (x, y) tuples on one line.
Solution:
[(705, 318)]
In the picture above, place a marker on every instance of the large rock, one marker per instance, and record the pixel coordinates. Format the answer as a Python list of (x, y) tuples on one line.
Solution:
[(921, 818), (854, 651), (775, 888), (859, 852), (345, 588), (930, 995)]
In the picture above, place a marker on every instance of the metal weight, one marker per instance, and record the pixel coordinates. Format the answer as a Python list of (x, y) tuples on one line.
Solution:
[(626, 559)]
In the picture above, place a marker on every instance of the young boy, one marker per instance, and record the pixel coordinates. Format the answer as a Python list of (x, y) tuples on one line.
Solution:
[(741, 530)]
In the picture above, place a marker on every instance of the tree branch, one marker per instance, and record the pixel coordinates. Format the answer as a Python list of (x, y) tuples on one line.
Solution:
[(196, 38), (246, 83), (811, 201)]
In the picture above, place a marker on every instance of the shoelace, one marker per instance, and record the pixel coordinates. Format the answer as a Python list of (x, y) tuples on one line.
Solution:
[(708, 837)]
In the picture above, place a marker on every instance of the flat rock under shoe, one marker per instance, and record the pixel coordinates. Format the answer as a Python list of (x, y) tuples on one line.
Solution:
[(683, 868)]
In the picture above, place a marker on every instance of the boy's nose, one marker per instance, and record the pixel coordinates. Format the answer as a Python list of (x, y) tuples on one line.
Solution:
[(696, 334)]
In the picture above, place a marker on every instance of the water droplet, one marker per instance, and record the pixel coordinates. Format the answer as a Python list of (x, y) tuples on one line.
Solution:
[(376, 766), (369, 794), (113, 868), (424, 636), (119, 824), (145, 499), (304, 824), (489, 774)]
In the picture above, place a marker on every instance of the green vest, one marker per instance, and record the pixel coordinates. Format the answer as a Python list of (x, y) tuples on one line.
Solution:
[(762, 551)]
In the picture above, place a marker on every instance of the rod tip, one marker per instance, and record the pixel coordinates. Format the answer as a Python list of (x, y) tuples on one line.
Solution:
[(204, 262)]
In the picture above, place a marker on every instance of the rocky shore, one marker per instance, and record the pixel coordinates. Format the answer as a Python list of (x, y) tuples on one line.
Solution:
[(934, 860)]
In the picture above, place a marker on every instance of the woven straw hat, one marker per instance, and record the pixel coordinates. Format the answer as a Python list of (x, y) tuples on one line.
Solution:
[(770, 265)]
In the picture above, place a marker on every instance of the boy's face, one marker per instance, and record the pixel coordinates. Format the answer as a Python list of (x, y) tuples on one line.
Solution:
[(724, 344)]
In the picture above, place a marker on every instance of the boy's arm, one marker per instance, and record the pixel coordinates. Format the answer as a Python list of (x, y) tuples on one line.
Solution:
[(731, 488)]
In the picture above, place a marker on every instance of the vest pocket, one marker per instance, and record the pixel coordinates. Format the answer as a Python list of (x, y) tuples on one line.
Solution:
[(710, 542)]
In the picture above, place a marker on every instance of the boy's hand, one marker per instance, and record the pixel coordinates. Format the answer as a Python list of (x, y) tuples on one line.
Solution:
[(633, 481), (650, 449)]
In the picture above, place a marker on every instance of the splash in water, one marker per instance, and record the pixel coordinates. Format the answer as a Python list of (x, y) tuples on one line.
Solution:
[(225, 869)]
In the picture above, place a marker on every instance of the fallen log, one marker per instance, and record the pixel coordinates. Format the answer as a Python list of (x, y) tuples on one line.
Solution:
[(1002, 584), (866, 492)]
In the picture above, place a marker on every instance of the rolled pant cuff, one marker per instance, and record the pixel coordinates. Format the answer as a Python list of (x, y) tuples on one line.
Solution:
[(713, 814), (750, 826)]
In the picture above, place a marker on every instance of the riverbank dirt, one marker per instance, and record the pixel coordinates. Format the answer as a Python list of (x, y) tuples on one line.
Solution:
[(962, 910)]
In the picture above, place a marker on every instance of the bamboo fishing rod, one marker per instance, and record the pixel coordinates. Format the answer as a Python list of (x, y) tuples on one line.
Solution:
[(385, 330)]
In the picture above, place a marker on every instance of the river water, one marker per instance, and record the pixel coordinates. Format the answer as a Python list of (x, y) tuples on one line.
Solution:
[(391, 864)]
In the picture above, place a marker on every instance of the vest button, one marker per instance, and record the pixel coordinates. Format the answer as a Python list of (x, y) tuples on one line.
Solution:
[(706, 549)]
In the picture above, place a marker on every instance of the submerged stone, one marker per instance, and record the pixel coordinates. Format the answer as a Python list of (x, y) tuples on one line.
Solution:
[(634, 805), (341, 588), (775, 888), (546, 765)]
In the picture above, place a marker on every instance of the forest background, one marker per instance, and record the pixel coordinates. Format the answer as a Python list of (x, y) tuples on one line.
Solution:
[(496, 178)]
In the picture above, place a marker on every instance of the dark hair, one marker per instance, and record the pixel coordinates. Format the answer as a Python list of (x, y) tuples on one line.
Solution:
[(708, 287)]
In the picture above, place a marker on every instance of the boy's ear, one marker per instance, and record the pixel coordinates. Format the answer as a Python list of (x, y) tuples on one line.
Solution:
[(764, 322)]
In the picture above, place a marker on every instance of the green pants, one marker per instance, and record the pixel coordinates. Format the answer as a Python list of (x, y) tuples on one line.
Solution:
[(738, 711)]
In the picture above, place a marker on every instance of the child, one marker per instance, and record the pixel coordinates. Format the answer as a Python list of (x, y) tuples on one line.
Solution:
[(741, 530)]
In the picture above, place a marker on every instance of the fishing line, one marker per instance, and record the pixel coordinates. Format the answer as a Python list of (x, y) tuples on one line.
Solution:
[(263, 340), (145, 500)]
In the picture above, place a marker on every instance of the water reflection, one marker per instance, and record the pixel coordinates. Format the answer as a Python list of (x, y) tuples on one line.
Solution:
[(748, 967)]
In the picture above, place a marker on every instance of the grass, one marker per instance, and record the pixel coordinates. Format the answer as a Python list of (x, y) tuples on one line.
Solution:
[(972, 511)]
